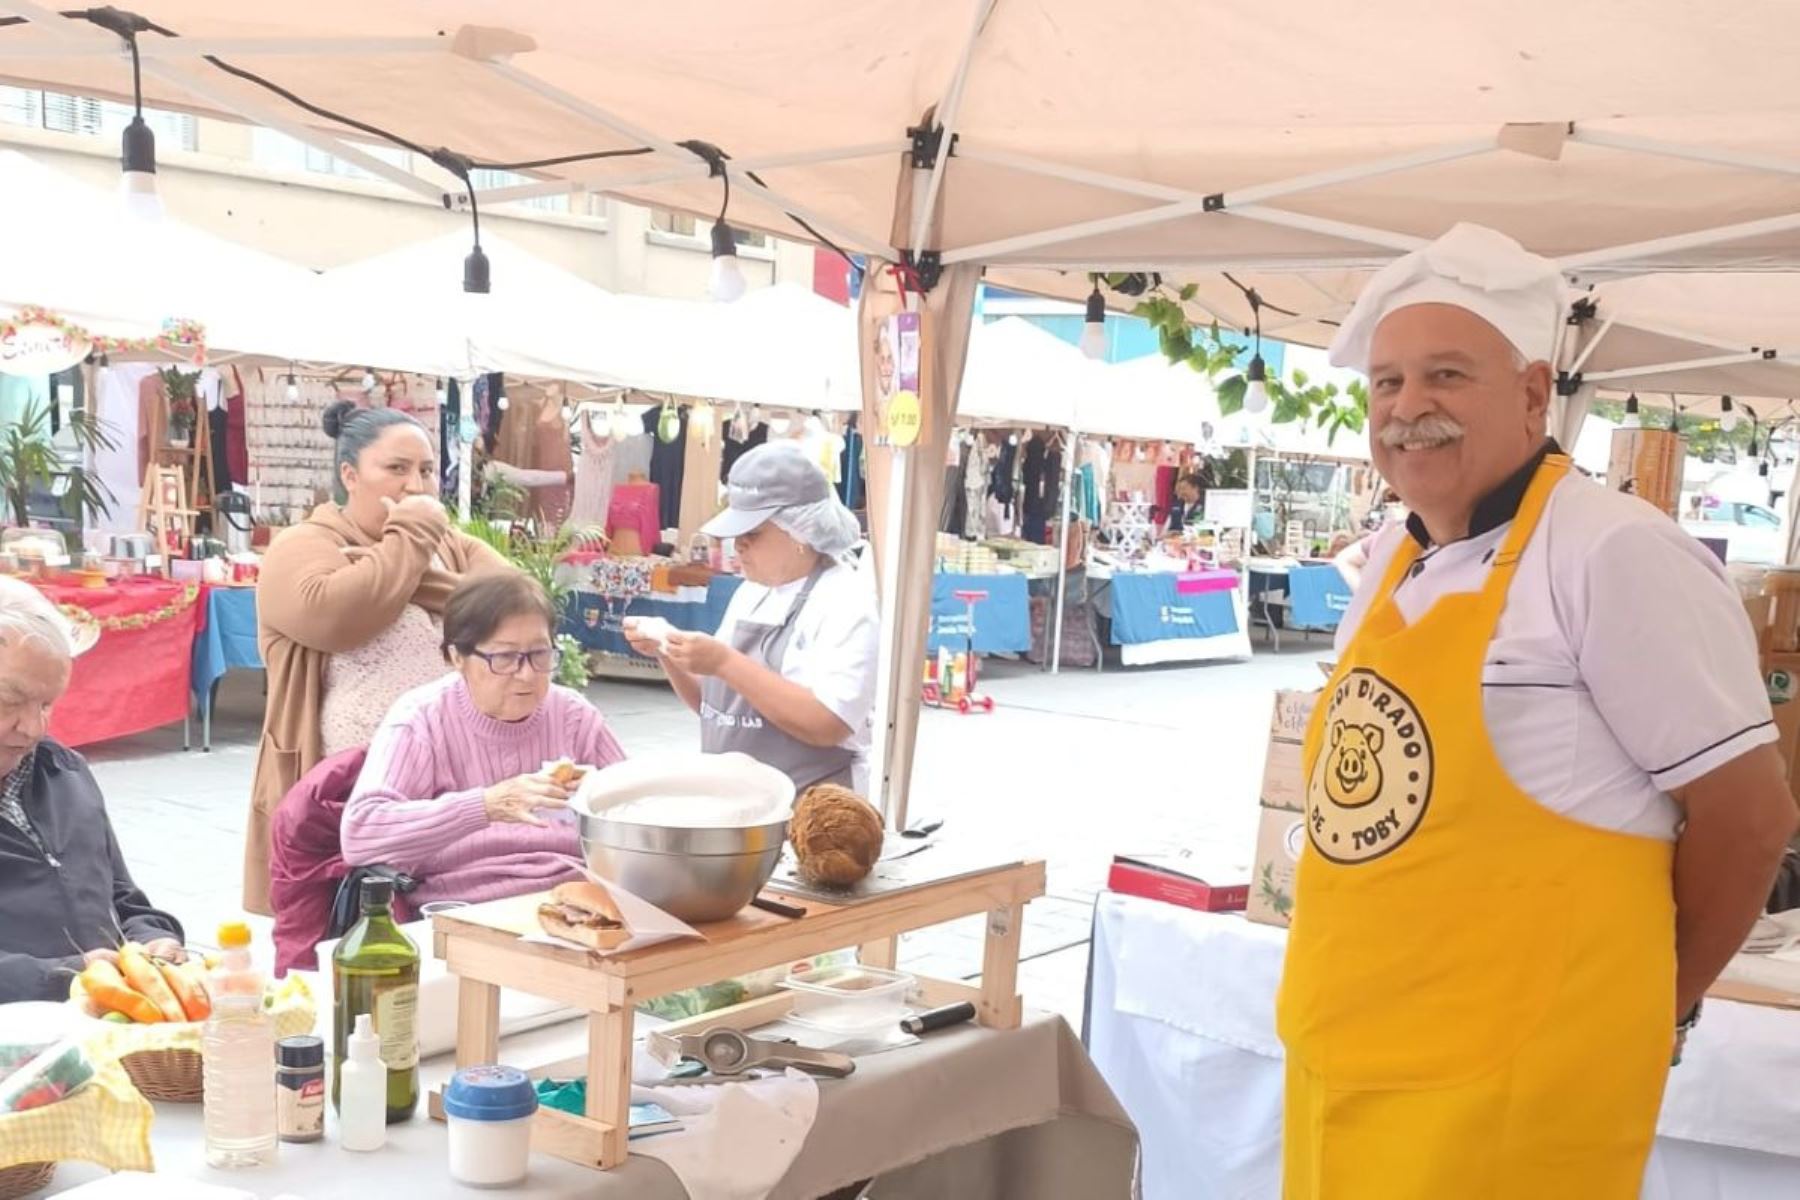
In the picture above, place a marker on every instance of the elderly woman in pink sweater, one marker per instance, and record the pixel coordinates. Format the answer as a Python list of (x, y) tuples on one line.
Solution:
[(453, 790)]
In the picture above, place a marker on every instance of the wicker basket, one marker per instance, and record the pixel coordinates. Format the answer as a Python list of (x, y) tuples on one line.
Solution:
[(172, 1075), (25, 1179)]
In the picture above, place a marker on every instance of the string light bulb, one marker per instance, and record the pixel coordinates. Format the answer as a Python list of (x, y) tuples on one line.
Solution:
[(442, 393), (1093, 326), (727, 280), (1256, 394), (137, 145), (1632, 420), (368, 380), (1256, 391), (293, 387), (1728, 415)]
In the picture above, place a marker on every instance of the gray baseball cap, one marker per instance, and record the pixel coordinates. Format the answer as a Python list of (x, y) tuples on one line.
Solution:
[(763, 482)]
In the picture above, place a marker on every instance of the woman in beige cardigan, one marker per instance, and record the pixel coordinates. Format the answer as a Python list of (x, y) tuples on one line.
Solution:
[(348, 608)]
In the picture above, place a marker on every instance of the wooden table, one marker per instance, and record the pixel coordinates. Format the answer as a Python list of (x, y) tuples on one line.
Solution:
[(483, 948)]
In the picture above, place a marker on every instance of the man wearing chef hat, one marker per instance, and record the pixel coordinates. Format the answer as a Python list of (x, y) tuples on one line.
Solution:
[(1543, 803)]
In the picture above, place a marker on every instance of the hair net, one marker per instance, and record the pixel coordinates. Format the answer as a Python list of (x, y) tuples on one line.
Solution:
[(827, 526)]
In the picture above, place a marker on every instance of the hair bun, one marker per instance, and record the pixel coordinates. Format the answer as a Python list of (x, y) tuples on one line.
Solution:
[(333, 418)]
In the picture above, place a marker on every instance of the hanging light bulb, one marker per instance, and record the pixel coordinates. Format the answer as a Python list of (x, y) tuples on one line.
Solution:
[(293, 387), (442, 393), (1093, 327), (137, 157), (1632, 420), (727, 281), (1728, 415), (368, 380), (501, 402), (1256, 395)]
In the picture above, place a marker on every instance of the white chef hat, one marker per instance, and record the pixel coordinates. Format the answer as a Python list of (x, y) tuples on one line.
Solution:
[(1471, 267)]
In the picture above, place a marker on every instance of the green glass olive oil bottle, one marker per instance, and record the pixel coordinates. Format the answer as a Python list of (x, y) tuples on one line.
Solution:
[(375, 970)]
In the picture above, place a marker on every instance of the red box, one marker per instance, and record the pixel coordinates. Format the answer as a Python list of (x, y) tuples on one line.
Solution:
[(1160, 879)]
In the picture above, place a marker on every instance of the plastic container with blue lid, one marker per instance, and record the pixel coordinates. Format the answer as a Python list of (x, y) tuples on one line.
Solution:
[(490, 1109)]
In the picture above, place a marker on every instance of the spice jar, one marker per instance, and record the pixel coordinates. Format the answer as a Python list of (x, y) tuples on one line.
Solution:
[(300, 1082)]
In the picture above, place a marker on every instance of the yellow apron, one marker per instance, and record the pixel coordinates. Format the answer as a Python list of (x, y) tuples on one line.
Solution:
[(1479, 995)]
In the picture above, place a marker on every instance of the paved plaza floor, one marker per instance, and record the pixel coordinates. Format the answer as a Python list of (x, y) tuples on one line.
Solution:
[(1072, 768)]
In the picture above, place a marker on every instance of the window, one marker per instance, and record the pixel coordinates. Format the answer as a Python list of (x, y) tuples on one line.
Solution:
[(61, 112), (484, 179), (678, 224), (271, 148)]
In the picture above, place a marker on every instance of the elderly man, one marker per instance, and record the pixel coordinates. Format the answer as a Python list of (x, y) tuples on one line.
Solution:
[(65, 895), (1543, 809)]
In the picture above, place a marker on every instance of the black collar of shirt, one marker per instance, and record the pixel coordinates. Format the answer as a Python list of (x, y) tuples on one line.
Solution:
[(1498, 506)]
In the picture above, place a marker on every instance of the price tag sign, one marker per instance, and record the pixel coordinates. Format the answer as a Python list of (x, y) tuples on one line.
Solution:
[(903, 419)]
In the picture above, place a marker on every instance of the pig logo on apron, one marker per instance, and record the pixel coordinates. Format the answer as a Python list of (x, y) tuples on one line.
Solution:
[(1371, 784)]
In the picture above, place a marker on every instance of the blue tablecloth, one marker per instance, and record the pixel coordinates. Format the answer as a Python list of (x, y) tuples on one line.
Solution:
[(1002, 621), (229, 640), (597, 623), (1317, 597), (1148, 607)]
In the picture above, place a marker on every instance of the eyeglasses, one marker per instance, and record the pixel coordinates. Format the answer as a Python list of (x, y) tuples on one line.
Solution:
[(511, 662)]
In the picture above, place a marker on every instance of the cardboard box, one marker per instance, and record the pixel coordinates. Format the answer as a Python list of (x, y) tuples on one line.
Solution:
[(1284, 784), (1293, 712), (1279, 839), (1647, 463), (1208, 887)]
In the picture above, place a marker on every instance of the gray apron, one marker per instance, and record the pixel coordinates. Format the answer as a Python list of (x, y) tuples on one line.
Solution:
[(728, 722)]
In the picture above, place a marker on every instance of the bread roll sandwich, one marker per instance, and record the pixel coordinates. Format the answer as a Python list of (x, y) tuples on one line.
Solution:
[(584, 913)]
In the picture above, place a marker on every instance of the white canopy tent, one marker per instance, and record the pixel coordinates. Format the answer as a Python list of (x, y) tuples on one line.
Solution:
[(1042, 139), (123, 275)]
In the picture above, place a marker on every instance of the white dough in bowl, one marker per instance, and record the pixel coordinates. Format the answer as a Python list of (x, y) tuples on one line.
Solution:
[(688, 791)]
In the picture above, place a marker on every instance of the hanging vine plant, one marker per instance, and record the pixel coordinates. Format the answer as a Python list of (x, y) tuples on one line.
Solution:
[(1295, 397)]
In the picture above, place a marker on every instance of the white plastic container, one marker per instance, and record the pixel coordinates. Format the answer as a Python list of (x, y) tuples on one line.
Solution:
[(849, 999), (362, 1090), (238, 1061), (490, 1110)]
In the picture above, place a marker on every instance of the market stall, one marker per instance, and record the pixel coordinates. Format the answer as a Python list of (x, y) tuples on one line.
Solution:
[(136, 676), (1181, 1021), (1164, 616)]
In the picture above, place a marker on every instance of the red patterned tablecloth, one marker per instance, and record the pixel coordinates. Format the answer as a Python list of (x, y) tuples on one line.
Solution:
[(136, 677)]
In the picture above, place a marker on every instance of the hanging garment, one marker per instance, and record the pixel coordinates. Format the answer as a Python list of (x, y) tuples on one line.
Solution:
[(120, 468), (1165, 491), (951, 516), (734, 448), (1032, 499), (668, 464), (850, 469), (700, 491), (550, 451), (236, 445), (1002, 485), (219, 431), (1479, 995), (631, 456), (975, 489), (593, 474)]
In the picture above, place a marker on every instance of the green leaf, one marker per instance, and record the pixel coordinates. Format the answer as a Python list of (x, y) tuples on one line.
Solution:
[(1230, 394), (1298, 376), (1189, 291)]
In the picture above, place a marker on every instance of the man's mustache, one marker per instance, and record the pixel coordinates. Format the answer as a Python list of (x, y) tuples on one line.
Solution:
[(1433, 428)]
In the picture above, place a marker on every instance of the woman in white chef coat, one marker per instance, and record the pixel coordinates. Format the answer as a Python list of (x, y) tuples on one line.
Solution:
[(789, 678)]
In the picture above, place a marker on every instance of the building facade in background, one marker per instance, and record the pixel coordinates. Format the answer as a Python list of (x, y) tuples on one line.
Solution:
[(276, 194)]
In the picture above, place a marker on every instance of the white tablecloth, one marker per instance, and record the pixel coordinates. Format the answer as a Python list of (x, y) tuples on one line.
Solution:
[(1181, 1022)]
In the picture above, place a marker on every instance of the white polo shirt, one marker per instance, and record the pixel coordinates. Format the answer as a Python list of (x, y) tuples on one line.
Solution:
[(1623, 667), (833, 650)]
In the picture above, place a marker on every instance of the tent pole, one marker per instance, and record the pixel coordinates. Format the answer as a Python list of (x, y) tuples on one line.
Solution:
[(1062, 553), (465, 480), (945, 116), (1692, 364), (1638, 252), (893, 807), (694, 170), (1403, 242), (1661, 149)]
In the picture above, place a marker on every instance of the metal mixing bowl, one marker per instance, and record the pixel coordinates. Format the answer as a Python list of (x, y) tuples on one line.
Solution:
[(698, 875)]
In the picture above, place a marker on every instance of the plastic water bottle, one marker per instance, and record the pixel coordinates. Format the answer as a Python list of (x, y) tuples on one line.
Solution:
[(238, 1048)]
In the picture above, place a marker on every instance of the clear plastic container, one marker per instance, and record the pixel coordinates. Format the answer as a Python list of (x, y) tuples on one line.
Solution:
[(849, 999), (238, 1061)]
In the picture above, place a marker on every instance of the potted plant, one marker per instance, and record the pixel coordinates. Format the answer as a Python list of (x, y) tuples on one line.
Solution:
[(30, 460), (182, 390)]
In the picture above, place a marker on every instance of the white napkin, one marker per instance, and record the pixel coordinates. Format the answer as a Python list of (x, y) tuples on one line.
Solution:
[(649, 925), (738, 1139)]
